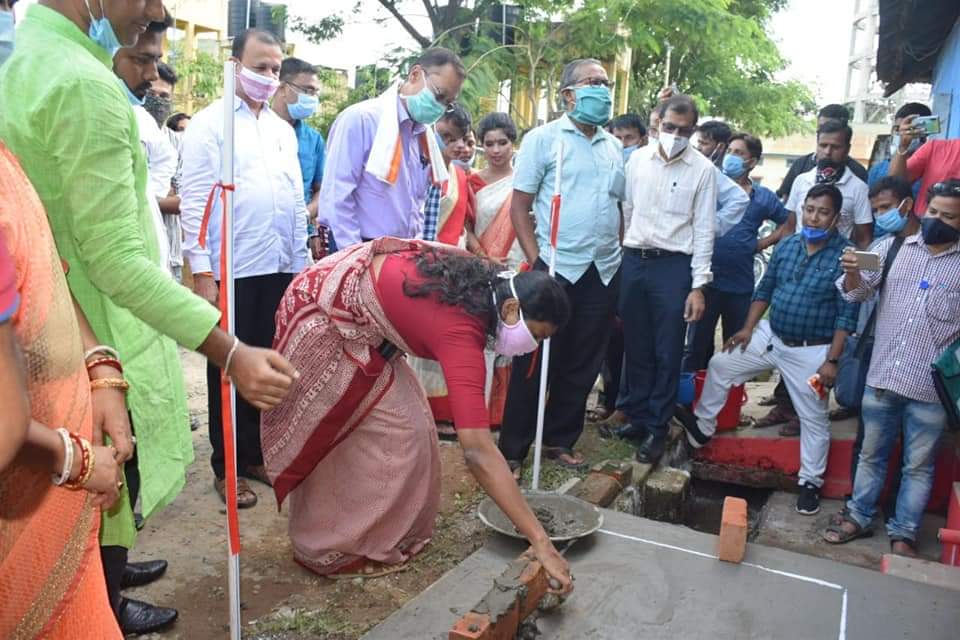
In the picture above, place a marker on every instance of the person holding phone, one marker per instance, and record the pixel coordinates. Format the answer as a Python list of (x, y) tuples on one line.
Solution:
[(935, 161)]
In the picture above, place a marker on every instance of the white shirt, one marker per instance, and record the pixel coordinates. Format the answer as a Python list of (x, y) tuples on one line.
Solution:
[(672, 206), (856, 200), (732, 203), (159, 157), (270, 217)]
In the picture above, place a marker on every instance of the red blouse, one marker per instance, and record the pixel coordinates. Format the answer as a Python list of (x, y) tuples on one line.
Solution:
[(440, 332), (9, 298)]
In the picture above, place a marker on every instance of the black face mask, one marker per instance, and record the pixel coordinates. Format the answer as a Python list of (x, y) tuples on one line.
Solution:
[(828, 171), (936, 231), (158, 107)]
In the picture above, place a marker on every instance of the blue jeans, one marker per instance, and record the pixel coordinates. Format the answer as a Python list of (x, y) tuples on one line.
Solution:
[(884, 413)]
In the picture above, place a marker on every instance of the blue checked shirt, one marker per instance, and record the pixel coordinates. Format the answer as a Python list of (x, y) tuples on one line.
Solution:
[(431, 213), (801, 290)]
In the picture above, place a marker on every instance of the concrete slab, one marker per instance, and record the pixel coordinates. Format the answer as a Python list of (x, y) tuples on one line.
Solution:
[(782, 527), (637, 578)]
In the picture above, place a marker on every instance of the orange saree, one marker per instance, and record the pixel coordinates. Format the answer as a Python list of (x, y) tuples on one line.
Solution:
[(51, 579)]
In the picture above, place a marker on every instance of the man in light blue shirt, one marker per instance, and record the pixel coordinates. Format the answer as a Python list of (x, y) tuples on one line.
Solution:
[(587, 259)]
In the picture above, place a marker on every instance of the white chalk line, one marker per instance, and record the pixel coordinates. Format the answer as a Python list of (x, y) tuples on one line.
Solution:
[(786, 574)]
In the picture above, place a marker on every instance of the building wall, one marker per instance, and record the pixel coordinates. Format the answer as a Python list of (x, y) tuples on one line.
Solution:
[(945, 92), (211, 14)]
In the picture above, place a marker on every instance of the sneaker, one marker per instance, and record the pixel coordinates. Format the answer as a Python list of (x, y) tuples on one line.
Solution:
[(808, 503)]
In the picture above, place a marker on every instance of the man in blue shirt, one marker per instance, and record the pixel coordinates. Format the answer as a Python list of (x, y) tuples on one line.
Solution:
[(587, 259), (295, 101), (809, 322), (728, 296)]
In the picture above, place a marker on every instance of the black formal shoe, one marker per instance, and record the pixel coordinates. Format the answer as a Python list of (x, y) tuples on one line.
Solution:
[(137, 574), (626, 432), (652, 448), (138, 617)]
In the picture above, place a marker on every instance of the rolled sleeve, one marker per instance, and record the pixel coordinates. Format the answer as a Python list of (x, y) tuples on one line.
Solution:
[(96, 159), (704, 221), (847, 315)]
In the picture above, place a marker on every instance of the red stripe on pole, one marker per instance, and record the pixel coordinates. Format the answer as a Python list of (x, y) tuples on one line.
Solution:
[(554, 220)]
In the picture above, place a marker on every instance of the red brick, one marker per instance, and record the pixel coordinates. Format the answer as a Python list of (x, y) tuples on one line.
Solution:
[(598, 489), (616, 469), (473, 626), (732, 543)]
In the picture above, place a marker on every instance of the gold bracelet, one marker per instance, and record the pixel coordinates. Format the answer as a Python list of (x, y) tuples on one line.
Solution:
[(109, 383)]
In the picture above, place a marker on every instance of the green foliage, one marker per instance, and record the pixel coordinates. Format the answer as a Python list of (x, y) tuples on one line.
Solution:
[(202, 76)]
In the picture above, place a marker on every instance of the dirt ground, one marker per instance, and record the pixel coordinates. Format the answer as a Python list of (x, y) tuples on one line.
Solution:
[(280, 599)]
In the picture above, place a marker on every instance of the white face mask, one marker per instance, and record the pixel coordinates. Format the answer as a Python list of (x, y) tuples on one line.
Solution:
[(672, 144)]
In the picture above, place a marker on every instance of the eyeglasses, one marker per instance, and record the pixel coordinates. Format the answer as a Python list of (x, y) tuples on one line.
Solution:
[(449, 104), (669, 127), (310, 91), (951, 188), (590, 82)]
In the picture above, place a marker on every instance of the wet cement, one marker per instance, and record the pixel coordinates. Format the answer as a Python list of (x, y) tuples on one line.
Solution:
[(563, 517), (504, 594), (637, 578)]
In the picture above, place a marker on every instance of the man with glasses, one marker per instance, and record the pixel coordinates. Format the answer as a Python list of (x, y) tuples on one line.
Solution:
[(270, 228), (918, 317), (378, 166), (808, 323), (295, 101), (587, 259), (670, 211)]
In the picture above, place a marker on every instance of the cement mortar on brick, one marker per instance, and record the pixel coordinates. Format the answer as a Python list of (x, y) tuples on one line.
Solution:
[(633, 588), (507, 593)]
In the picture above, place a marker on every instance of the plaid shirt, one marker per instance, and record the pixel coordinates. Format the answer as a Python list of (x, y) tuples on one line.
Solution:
[(917, 318), (431, 213), (804, 302)]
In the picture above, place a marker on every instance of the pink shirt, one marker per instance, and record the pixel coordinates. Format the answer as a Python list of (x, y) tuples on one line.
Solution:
[(935, 161)]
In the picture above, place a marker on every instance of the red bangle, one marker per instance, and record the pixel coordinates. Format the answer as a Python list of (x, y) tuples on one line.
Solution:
[(107, 362), (85, 466)]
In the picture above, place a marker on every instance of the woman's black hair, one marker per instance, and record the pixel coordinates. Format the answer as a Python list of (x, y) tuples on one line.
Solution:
[(494, 121), (467, 282)]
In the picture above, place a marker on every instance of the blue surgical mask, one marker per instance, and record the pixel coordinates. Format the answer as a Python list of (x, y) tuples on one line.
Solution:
[(628, 150), (304, 107), (734, 166), (810, 234), (134, 100), (7, 24), (593, 106), (423, 105), (101, 31), (891, 221)]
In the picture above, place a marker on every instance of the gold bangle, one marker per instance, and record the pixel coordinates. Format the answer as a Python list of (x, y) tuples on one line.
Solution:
[(109, 383)]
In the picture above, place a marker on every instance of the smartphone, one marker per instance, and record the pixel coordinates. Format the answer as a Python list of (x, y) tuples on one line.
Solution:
[(929, 124), (817, 386), (867, 260)]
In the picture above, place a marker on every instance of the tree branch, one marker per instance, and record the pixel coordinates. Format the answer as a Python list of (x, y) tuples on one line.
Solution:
[(391, 6)]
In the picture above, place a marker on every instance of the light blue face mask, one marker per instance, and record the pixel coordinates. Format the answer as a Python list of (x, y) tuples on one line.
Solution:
[(891, 221), (304, 107), (7, 24), (628, 150), (440, 142), (733, 166), (134, 100), (101, 31), (593, 106), (423, 105)]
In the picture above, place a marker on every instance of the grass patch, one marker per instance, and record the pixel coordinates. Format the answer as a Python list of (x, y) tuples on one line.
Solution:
[(302, 623)]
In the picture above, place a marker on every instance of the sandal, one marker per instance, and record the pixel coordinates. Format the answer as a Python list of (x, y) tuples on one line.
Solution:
[(844, 535), (777, 415), (565, 458), (911, 546), (370, 569), (616, 419), (516, 468), (246, 498)]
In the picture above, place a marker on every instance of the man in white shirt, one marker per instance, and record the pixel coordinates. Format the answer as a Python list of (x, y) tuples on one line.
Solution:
[(670, 218), (833, 150), (270, 226)]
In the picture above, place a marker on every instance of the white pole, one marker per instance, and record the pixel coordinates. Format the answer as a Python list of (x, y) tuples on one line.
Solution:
[(226, 177), (248, 13), (545, 356)]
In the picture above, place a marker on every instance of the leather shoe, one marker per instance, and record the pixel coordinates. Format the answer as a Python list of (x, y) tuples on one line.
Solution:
[(138, 617), (626, 432), (652, 449), (137, 574)]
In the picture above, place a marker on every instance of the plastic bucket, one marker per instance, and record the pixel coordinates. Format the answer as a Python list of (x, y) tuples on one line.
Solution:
[(729, 417), (687, 389)]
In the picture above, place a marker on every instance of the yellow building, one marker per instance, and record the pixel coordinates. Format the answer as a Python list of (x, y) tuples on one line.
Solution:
[(200, 26)]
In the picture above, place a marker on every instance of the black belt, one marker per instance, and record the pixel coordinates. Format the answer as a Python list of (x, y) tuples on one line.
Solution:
[(648, 253), (814, 342), (387, 349)]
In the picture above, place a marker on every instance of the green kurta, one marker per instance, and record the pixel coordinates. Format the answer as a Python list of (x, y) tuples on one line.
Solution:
[(64, 114)]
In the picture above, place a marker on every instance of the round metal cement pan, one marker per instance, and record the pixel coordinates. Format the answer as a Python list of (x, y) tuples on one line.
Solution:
[(573, 518)]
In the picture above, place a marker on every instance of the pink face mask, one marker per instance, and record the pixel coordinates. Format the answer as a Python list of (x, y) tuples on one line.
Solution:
[(257, 87), (513, 339)]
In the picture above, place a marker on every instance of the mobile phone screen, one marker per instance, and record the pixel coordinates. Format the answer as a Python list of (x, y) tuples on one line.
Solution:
[(930, 124)]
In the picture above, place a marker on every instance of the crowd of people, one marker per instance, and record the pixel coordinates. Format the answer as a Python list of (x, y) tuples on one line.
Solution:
[(391, 290)]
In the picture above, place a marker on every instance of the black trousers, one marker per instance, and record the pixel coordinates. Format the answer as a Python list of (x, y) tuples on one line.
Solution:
[(576, 353), (731, 308), (255, 305), (613, 367), (114, 558), (652, 299)]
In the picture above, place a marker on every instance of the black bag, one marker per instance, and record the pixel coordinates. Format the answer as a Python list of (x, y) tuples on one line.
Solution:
[(946, 379), (858, 349)]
